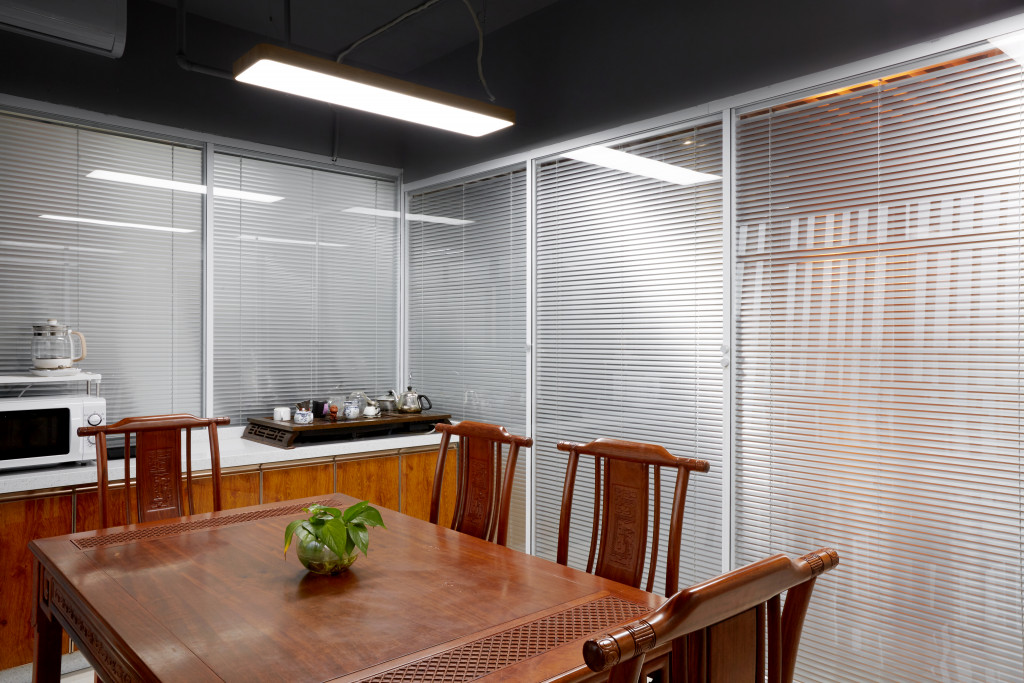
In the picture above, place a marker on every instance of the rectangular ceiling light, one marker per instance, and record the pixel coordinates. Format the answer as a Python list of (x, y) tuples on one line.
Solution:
[(322, 79), (631, 163), (148, 181), (385, 213), (115, 224)]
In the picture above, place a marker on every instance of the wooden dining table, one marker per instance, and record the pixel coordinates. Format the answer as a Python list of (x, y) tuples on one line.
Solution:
[(209, 597)]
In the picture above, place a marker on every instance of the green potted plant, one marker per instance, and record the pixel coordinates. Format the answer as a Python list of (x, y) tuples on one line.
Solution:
[(329, 538)]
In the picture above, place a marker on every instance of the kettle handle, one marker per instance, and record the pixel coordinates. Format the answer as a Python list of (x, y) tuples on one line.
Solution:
[(429, 404), (81, 338)]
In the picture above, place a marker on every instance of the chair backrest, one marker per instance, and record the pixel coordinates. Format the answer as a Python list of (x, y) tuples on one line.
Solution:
[(729, 628), (482, 499), (157, 464), (622, 478)]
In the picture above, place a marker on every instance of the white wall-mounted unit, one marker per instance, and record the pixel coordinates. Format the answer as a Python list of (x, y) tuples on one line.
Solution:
[(97, 26)]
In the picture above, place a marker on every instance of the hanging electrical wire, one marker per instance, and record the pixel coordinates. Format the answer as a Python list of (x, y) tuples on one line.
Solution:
[(416, 10), (480, 49)]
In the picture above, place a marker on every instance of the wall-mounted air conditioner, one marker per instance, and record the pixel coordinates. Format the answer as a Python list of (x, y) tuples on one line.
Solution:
[(94, 25)]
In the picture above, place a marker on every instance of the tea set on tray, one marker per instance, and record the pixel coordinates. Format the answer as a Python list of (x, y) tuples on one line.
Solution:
[(356, 405)]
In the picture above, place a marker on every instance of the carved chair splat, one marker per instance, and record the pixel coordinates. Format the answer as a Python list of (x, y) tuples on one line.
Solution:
[(482, 498), (730, 628), (158, 456), (622, 477)]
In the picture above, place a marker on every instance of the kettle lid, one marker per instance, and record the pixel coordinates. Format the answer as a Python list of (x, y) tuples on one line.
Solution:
[(50, 327)]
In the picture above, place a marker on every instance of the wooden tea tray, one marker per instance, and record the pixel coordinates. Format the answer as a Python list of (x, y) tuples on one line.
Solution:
[(287, 434)]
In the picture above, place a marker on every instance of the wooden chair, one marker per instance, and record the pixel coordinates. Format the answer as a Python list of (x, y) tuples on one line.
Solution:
[(621, 498), (157, 464), (731, 626), (482, 500)]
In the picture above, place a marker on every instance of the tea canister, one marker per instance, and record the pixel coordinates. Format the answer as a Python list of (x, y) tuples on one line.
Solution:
[(352, 410)]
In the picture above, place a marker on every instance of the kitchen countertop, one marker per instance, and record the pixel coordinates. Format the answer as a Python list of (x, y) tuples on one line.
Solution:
[(234, 452)]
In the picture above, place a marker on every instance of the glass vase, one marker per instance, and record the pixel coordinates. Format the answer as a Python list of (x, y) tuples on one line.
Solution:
[(319, 559)]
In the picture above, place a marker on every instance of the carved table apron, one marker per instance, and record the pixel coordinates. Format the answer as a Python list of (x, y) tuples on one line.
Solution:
[(209, 597)]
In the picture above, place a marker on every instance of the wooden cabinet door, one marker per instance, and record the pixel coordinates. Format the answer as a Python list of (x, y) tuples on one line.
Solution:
[(290, 480), (87, 507), (237, 489), (376, 479), (418, 483), (22, 521)]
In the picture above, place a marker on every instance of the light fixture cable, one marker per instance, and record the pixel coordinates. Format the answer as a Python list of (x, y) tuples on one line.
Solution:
[(394, 22), (416, 10), (479, 49)]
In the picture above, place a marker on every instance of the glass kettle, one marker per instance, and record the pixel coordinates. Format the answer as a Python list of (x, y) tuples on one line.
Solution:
[(53, 348)]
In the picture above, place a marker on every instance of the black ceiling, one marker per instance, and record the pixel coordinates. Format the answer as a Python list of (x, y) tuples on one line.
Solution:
[(329, 26), (567, 67)]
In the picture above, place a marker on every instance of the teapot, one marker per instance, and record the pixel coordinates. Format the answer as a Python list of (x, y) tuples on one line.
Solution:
[(411, 402), (389, 403), (53, 348)]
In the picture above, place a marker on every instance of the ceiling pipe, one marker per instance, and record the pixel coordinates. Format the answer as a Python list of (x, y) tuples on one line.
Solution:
[(183, 61)]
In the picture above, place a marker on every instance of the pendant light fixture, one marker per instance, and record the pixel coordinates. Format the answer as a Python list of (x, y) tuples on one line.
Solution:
[(300, 74)]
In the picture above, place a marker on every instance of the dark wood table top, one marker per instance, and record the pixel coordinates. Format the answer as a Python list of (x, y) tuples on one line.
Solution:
[(209, 597)]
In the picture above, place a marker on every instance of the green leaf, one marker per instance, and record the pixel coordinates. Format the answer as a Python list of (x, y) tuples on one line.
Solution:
[(288, 532), (334, 535), (360, 536), (369, 517), (354, 510), (342, 532)]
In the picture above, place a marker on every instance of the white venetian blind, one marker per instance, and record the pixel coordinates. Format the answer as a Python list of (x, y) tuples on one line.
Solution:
[(134, 289), (879, 371), (629, 330), (467, 307), (304, 300)]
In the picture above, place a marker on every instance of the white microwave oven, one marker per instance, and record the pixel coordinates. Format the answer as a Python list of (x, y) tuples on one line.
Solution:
[(43, 430)]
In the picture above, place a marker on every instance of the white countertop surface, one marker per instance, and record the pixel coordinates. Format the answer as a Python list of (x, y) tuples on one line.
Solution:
[(234, 452)]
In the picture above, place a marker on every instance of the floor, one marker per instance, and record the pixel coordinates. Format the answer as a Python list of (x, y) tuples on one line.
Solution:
[(74, 669)]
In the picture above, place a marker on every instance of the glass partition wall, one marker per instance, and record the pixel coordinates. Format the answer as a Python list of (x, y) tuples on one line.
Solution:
[(836, 326), (878, 325), (305, 294), (84, 241), (629, 328), (104, 231), (467, 307)]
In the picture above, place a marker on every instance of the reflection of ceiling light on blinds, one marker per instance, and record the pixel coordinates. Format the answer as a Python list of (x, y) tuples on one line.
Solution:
[(115, 224), (384, 213), (631, 163), (52, 247), (182, 187), (300, 74), (283, 240), (1012, 44)]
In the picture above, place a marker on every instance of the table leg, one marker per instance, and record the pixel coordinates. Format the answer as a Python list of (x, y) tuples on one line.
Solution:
[(46, 649)]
